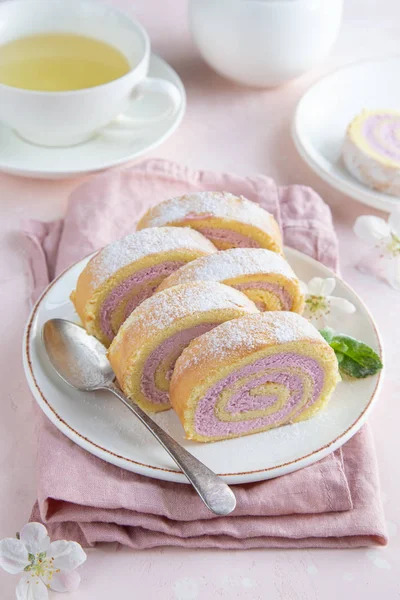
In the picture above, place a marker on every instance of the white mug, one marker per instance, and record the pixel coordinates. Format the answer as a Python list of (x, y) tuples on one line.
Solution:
[(264, 43), (71, 117)]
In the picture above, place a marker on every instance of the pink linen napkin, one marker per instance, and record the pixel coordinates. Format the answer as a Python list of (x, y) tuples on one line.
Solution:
[(333, 503)]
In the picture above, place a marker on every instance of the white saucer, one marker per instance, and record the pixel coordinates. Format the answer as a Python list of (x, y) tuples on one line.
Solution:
[(101, 425), (21, 158), (325, 110)]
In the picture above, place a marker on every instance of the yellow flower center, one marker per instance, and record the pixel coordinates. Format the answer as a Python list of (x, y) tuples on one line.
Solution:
[(394, 245), (317, 304), (41, 567)]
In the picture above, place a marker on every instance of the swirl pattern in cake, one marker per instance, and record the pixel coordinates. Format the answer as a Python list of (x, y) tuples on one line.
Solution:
[(123, 274), (371, 151), (228, 221), (144, 351), (264, 276), (252, 374)]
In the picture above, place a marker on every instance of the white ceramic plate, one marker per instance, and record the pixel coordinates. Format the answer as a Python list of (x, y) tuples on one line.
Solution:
[(326, 109), (21, 158), (100, 424)]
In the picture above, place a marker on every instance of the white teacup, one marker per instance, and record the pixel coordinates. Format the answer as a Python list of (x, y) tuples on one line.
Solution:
[(71, 117)]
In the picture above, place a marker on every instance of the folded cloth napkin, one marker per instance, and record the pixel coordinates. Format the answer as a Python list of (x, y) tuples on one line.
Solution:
[(333, 503)]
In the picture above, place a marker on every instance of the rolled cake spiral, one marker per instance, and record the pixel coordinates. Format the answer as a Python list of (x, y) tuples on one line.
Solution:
[(228, 221), (123, 274), (144, 351), (252, 374), (371, 151), (264, 276)]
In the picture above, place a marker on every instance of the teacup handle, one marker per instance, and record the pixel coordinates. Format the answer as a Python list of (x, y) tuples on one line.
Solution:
[(125, 124)]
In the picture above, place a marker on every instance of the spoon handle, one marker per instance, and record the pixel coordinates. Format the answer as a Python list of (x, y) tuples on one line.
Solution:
[(214, 492)]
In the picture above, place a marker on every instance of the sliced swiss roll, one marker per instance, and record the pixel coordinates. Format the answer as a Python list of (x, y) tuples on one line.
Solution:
[(144, 351), (123, 274), (228, 221), (264, 276), (371, 150), (252, 374)]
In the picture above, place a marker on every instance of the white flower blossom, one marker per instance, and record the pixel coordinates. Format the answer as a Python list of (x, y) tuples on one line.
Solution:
[(44, 564), (384, 237), (321, 308)]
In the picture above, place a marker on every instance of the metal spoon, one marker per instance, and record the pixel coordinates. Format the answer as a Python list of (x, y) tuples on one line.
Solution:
[(81, 361)]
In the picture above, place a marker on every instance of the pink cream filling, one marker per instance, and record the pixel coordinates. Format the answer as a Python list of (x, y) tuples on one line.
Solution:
[(206, 422), (274, 288), (172, 345), (227, 235), (198, 216), (381, 133), (145, 276)]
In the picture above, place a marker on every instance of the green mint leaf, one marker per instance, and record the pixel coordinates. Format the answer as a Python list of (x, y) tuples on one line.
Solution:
[(327, 333), (339, 356), (351, 368), (31, 557), (357, 359), (339, 345)]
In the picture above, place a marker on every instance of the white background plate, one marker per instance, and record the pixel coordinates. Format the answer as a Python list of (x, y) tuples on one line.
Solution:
[(21, 158), (326, 109), (100, 424)]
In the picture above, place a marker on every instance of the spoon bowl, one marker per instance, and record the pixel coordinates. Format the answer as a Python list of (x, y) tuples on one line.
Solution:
[(79, 358)]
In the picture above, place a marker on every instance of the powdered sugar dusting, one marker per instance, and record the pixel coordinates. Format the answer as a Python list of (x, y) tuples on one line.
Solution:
[(209, 204), (247, 334), (135, 246), (166, 307), (227, 264)]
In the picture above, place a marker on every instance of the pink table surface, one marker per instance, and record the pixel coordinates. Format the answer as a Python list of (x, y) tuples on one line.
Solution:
[(246, 131)]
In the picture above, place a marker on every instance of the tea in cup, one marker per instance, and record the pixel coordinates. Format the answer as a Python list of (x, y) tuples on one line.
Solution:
[(68, 68)]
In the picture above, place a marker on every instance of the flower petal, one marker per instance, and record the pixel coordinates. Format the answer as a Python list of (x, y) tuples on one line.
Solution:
[(341, 304), (67, 555), (35, 538), (371, 229), (29, 588), (327, 286), (65, 581), (303, 287), (393, 272), (315, 286), (319, 321), (394, 222), (13, 555)]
